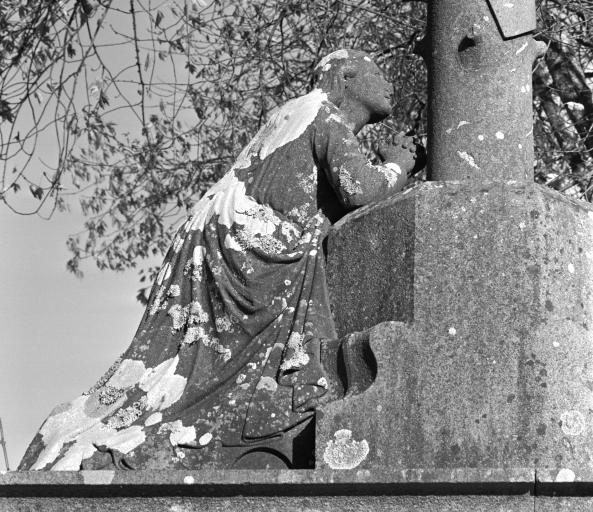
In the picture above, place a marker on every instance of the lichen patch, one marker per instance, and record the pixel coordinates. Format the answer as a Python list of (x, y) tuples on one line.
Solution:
[(285, 125), (565, 475), (391, 172), (127, 374), (573, 423), (268, 384), (163, 387), (179, 435), (295, 355), (338, 54), (469, 159), (343, 452), (348, 183), (205, 439), (153, 419)]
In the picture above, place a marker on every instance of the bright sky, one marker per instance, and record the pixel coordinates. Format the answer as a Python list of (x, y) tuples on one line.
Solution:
[(58, 333)]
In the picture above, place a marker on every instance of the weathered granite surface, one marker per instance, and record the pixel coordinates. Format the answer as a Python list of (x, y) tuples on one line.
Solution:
[(484, 348), (480, 56), (280, 504)]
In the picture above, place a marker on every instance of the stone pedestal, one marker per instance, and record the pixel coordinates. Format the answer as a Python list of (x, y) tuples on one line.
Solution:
[(388, 490), (483, 335), (286, 491)]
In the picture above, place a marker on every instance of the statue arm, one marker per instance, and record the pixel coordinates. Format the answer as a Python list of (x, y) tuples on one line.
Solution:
[(356, 181)]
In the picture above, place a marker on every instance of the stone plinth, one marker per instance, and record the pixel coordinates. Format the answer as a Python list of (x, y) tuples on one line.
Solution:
[(483, 335), (461, 490), (287, 491)]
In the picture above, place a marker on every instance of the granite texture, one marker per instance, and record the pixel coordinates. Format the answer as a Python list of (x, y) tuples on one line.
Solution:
[(279, 504), (484, 359), (480, 123)]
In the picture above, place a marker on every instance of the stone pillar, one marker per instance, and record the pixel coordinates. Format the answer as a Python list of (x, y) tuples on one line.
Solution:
[(480, 55), (475, 287)]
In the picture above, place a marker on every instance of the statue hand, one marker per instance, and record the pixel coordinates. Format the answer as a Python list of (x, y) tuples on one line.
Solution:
[(405, 151)]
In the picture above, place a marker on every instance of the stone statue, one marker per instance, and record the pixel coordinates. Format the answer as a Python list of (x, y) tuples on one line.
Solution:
[(226, 367)]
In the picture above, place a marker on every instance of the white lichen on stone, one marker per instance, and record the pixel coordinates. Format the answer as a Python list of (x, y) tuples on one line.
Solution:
[(248, 239), (522, 49), (267, 384), (469, 159), (343, 452), (322, 382), (178, 241), (285, 125), (573, 423), (298, 357), (153, 419), (338, 54), (105, 377), (572, 105), (196, 313), (205, 439), (289, 231), (198, 334), (174, 291), (309, 181), (158, 301), (70, 422), (348, 184), (391, 172), (164, 273), (223, 324), (108, 395), (128, 373), (299, 213), (335, 118), (126, 416), (265, 215), (178, 434), (162, 386), (179, 316), (565, 475)]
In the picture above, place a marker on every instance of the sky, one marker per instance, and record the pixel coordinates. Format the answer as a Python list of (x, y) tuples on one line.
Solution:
[(58, 333)]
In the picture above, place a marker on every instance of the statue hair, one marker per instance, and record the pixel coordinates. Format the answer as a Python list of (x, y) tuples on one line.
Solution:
[(330, 73)]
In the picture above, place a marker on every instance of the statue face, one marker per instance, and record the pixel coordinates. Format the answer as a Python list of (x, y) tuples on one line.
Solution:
[(370, 90)]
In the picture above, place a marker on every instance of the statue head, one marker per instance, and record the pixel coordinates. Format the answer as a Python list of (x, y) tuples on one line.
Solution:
[(350, 77)]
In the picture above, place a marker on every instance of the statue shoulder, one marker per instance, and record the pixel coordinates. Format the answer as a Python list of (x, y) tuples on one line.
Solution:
[(329, 112)]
